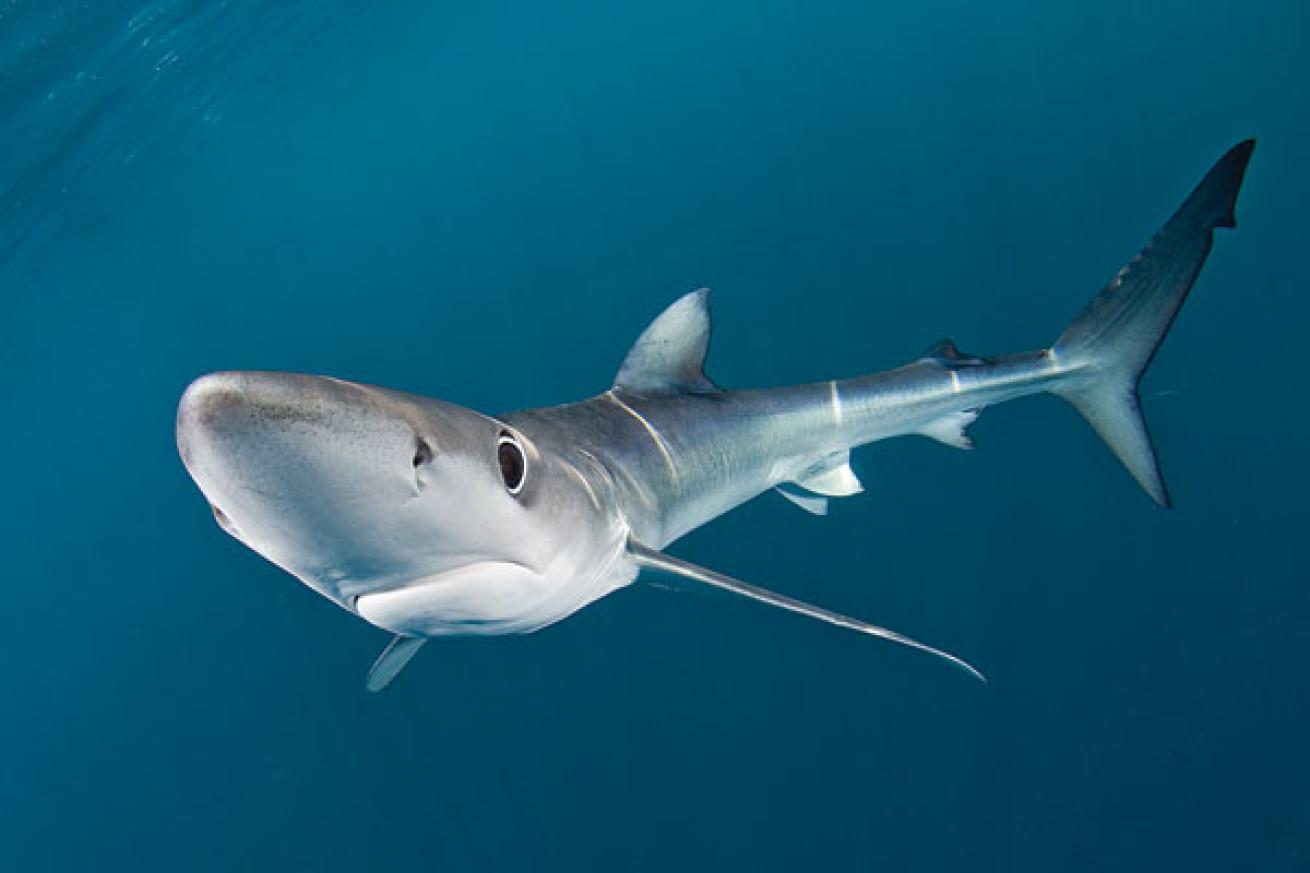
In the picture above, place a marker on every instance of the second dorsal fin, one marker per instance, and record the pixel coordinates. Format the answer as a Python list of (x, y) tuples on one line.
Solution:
[(948, 354), (670, 353)]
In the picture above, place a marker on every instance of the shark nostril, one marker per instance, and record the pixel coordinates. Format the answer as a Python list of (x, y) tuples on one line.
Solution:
[(223, 521), (422, 453)]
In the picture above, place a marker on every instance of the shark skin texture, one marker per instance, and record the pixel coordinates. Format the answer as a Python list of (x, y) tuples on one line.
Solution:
[(428, 519)]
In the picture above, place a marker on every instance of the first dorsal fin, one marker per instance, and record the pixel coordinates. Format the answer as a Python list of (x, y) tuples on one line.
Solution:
[(670, 353)]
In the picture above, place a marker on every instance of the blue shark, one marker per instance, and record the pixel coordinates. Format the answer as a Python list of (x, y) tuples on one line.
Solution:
[(428, 519)]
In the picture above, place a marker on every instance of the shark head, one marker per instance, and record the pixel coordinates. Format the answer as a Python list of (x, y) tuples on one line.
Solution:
[(422, 517)]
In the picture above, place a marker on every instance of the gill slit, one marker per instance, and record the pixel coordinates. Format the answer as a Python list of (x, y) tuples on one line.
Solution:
[(836, 403), (655, 435), (586, 486)]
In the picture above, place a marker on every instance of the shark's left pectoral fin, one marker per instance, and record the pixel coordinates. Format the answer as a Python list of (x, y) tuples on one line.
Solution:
[(655, 560), (392, 660)]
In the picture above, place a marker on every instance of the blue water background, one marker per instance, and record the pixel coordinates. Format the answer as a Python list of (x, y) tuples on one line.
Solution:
[(486, 202)]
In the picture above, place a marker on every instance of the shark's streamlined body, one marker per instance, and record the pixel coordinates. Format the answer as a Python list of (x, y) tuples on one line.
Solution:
[(429, 519)]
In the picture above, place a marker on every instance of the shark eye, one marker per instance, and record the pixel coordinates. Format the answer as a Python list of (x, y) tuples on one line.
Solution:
[(422, 452), (513, 463)]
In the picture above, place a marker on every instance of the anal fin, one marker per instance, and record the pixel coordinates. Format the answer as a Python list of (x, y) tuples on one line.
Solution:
[(952, 429)]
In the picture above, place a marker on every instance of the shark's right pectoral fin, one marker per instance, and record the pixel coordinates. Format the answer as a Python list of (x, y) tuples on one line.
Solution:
[(655, 560), (392, 660)]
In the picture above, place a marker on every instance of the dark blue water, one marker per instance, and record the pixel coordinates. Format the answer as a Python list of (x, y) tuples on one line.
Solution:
[(486, 202)]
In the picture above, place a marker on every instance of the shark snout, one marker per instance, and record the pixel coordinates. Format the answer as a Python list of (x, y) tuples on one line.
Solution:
[(250, 399), (282, 457), (351, 488), (275, 432), (224, 416)]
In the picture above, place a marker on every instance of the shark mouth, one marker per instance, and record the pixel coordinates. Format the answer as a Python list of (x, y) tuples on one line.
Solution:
[(485, 597)]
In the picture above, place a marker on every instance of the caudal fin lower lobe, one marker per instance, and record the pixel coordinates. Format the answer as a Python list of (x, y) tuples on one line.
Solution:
[(1115, 338)]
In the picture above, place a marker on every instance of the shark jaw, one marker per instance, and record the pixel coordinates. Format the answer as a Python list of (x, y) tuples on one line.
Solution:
[(395, 507)]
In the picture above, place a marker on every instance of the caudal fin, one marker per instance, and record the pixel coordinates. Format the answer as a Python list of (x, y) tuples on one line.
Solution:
[(1112, 342)]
